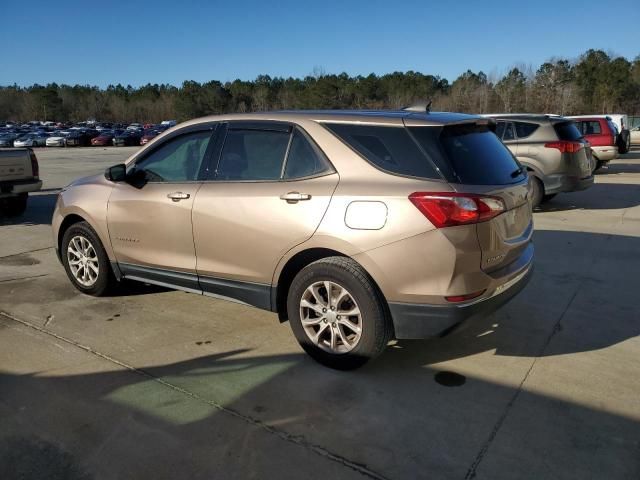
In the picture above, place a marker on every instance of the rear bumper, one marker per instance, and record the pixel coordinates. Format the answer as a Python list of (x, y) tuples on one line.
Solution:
[(10, 189), (413, 321), (565, 183), (605, 154)]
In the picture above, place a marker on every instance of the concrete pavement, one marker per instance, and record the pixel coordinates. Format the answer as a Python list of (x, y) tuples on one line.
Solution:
[(167, 384)]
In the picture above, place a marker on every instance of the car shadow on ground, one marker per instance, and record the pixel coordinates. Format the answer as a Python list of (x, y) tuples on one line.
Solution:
[(39, 211), (178, 420), (600, 196), (618, 168), (135, 423)]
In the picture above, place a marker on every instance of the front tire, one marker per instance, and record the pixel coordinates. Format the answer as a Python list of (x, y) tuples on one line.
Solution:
[(337, 313), (85, 260)]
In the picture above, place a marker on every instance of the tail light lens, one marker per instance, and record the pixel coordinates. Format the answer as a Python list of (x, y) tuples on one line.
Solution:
[(35, 168), (565, 146), (448, 209)]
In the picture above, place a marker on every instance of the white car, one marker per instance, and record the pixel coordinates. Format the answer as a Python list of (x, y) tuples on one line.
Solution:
[(57, 140), (31, 140), (634, 135)]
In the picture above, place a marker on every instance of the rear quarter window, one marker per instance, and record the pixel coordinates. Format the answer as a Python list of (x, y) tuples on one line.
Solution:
[(567, 131), (389, 148), (470, 154)]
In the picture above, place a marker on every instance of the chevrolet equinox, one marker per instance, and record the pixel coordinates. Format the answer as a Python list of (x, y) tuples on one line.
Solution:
[(358, 227)]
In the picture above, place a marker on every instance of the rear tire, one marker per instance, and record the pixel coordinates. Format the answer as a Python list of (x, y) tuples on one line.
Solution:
[(85, 260), (344, 339), (537, 191), (547, 198), (16, 206)]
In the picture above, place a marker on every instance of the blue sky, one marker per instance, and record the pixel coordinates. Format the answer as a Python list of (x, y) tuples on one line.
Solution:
[(162, 41)]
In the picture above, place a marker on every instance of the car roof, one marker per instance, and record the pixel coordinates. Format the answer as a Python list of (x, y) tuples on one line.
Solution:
[(536, 117), (355, 116)]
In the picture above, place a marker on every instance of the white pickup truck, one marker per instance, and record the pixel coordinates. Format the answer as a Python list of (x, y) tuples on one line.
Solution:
[(19, 175)]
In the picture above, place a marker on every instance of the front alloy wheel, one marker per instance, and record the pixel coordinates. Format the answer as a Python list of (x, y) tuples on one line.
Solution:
[(83, 261)]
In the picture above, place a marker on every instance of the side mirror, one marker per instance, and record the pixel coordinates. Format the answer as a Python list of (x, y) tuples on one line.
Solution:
[(117, 173)]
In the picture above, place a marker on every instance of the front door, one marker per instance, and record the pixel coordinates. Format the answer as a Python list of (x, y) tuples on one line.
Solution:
[(271, 188), (149, 216)]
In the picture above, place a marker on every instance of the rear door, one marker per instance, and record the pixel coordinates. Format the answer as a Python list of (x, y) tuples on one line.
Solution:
[(579, 161), (474, 161), (268, 192)]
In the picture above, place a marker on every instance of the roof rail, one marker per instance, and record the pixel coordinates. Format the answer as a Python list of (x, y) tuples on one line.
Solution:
[(421, 107)]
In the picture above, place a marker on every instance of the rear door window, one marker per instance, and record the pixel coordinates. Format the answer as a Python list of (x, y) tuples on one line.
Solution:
[(567, 131), (525, 129), (387, 147), (509, 133), (469, 154), (304, 159), (252, 155)]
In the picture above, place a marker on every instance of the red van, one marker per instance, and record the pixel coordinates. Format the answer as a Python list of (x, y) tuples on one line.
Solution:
[(601, 133)]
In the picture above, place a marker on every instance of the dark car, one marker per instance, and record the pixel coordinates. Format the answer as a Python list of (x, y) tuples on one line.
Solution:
[(6, 140), (81, 138), (127, 138), (149, 135), (105, 138)]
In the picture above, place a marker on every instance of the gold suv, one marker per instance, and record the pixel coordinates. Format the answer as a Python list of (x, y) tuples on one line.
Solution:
[(357, 227)]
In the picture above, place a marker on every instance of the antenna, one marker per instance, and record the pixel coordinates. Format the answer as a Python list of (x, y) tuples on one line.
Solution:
[(421, 107)]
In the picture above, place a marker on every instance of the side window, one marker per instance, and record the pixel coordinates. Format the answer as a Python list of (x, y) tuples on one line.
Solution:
[(252, 155), (591, 128), (524, 129), (304, 160), (509, 134), (177, 160), (500, 128)]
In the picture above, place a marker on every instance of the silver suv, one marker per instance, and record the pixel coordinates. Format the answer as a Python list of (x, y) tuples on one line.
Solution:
[(553, 151)]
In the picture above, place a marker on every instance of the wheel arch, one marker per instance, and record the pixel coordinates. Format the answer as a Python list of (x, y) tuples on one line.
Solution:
[(291, 268)]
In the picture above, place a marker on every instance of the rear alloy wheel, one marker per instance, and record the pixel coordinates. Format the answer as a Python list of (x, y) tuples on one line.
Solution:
[(331, 317), (86, 261), (337, 313)]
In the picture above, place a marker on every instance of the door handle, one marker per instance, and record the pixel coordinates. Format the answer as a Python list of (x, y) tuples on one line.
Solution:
[(293, 197), (177, 196)]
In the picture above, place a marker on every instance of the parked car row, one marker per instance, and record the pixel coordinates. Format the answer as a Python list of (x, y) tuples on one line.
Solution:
[(562, 153), (36, 134)]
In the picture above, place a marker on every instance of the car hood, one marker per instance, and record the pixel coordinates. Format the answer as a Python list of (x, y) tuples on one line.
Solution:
[(90, 180)]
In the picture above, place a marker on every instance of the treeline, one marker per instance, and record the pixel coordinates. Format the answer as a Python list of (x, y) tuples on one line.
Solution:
[(596, 83)]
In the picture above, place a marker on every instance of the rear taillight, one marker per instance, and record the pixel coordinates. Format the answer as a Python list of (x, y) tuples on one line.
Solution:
[(35, 168), (447, 209), (565, 146)]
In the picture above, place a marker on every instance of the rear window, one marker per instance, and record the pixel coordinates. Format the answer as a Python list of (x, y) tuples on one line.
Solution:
[(567, 131), (389, 148), (469, 154)]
